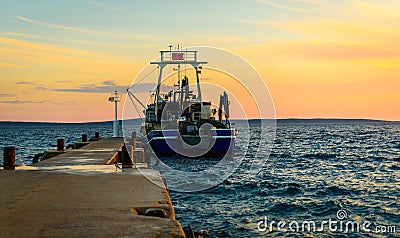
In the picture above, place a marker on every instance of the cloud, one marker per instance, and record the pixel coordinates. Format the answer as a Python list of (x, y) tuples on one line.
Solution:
[(324, 49), (62, 40), (67, 28), (255, 22), (339, 30), (102, 5), (91, 85), (283, 6), (152, 44), (147, 87), (108, 83), (63, 81), (96, 89), (93, 88), (8, 65), (36, 47), (16, 34), (331, 39), (17, 101), (6, 95), (64, 103), (24, 101), (24, 82), (387, 10), (227, 39)]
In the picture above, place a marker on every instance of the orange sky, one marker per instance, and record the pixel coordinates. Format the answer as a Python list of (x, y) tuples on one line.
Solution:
[(325, 59)]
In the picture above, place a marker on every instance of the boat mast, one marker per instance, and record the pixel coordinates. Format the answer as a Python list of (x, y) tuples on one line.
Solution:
[(178, 57), (198, 83)]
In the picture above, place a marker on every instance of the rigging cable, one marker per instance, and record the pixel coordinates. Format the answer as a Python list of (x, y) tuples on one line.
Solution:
[(147, 75), (130, 94), (134, 104)]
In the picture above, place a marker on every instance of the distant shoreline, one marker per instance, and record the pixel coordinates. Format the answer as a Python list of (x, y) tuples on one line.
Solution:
[(279, 121)]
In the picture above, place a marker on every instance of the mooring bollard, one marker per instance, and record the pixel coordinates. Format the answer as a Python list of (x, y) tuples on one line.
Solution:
[(84, 137), (124, 157), (60, 144), (9, 157), (97, 135)]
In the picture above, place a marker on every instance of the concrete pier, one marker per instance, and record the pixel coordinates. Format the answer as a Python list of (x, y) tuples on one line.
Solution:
[(80, 193)]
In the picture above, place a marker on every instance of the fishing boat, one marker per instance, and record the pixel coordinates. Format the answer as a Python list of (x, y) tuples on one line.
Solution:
[(179, 121)]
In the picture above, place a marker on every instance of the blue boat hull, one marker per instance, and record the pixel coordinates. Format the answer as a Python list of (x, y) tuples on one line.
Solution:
[(169, 142)]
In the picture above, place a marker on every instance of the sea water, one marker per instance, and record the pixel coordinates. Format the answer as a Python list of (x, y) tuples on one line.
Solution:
[(314, 172)]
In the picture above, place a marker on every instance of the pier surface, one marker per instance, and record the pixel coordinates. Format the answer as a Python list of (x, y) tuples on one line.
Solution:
[(76, 194)]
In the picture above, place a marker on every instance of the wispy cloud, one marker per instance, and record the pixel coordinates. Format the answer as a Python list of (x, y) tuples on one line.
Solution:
[(16, 34), (24, 101), (309, 49), (67, 28), (93, 89), (88, 88), (77, 42), (227, 39), (152, 44), (108, 86), (255, 22), (21, 102), (24, 82), (64, 103), (102, 5), (34, 47), (339, 29), (387, 10), (7, 95), (108, 83), (8, 65), (286, 7)]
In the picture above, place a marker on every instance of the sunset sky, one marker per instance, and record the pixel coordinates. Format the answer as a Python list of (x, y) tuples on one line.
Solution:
[(60, 60)]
